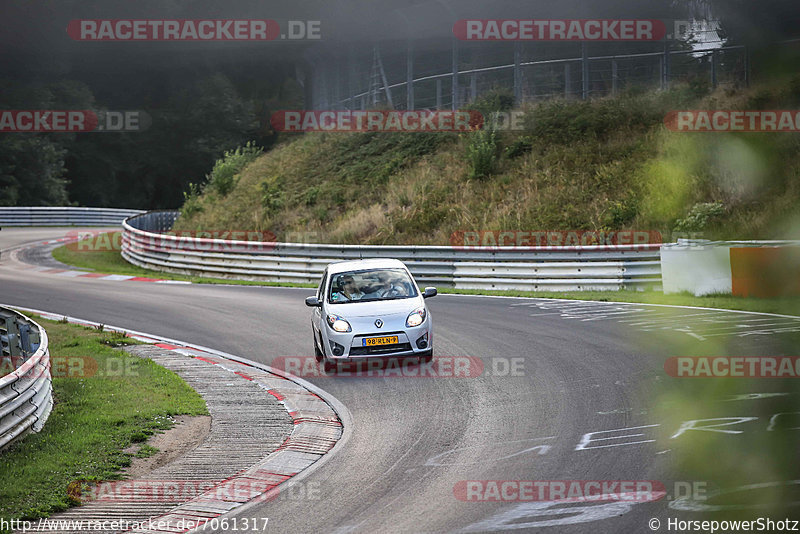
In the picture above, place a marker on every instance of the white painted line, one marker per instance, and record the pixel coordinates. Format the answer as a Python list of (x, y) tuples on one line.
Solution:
[(72, 274), (116, 277)]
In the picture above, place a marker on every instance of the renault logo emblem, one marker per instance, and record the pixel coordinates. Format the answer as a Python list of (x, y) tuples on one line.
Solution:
[(378, 323)]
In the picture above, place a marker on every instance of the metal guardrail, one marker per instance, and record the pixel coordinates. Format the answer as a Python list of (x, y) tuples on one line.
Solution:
[(543, 268), (66, 216), (26, 393)]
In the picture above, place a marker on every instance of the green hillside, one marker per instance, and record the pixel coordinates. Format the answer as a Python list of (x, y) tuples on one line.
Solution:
[(601, 165)]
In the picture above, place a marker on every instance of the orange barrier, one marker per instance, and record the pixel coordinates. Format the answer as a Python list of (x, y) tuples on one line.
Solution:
[(765, 271)]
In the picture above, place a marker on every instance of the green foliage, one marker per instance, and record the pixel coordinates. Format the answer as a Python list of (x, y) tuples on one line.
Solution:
[(564, 122), (272, 195), (482, 153), (223, 175), (700, 216), (519, 147), (146, 451), (310, 196), (31, 171), (621, 213), (191, 201), (493, 101)]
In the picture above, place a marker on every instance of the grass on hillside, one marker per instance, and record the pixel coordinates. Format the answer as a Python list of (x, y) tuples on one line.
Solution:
[(98, 412), (606, 164)]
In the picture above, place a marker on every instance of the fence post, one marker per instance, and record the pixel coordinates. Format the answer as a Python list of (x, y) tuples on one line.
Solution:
[(454, 103), (665, 67), (410, 75), (584, 71), (351, 78), (746, 67), (473, 87), (714, 69), (438, 93), (567, 80), (517, 73), (337, 88), (614, 77)]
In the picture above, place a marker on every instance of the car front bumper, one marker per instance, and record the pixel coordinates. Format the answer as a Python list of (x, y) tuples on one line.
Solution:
[(414, 341)]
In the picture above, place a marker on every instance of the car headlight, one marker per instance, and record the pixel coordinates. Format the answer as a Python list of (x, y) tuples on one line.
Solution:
[(338, 323), (416, 317)]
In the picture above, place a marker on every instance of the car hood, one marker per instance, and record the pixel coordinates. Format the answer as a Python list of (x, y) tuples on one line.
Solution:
[(376, 308)]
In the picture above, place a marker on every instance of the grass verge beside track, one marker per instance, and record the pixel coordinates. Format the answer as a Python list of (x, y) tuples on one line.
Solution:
[(112, 262), (105, 401)]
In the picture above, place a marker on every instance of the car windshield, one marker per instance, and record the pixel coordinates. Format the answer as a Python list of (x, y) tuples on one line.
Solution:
[(370, 285)]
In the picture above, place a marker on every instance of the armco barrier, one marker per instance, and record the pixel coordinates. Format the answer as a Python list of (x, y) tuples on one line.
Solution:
[(541, 268), (67, 216), (26, 393)]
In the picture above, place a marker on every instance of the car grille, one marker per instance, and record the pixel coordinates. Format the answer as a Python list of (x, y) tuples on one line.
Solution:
[(380, 349)]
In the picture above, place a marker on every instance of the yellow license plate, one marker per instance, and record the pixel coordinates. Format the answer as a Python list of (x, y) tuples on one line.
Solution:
[(372, 341)]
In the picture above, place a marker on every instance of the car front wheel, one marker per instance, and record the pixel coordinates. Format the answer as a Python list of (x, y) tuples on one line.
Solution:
[(317, 353), (426, 357)]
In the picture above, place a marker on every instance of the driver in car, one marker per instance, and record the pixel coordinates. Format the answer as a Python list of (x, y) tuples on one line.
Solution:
[(349, 290), (388, 289)]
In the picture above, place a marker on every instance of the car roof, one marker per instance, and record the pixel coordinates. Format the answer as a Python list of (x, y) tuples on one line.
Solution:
[(358, 265)]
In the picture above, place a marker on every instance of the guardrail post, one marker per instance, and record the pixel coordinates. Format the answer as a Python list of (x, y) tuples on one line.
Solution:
[(12, 336), (25, 339)]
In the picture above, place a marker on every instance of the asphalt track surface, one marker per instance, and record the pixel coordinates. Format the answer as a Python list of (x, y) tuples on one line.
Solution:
[(414, 439)]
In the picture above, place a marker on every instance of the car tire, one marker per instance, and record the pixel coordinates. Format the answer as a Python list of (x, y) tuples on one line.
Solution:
[(318, 353), (426, 357)]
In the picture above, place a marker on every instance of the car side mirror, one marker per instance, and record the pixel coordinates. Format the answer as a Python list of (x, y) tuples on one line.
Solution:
[(313, 302), (429, 292)]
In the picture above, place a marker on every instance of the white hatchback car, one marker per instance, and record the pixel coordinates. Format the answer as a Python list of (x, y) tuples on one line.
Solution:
[(367, 309)]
